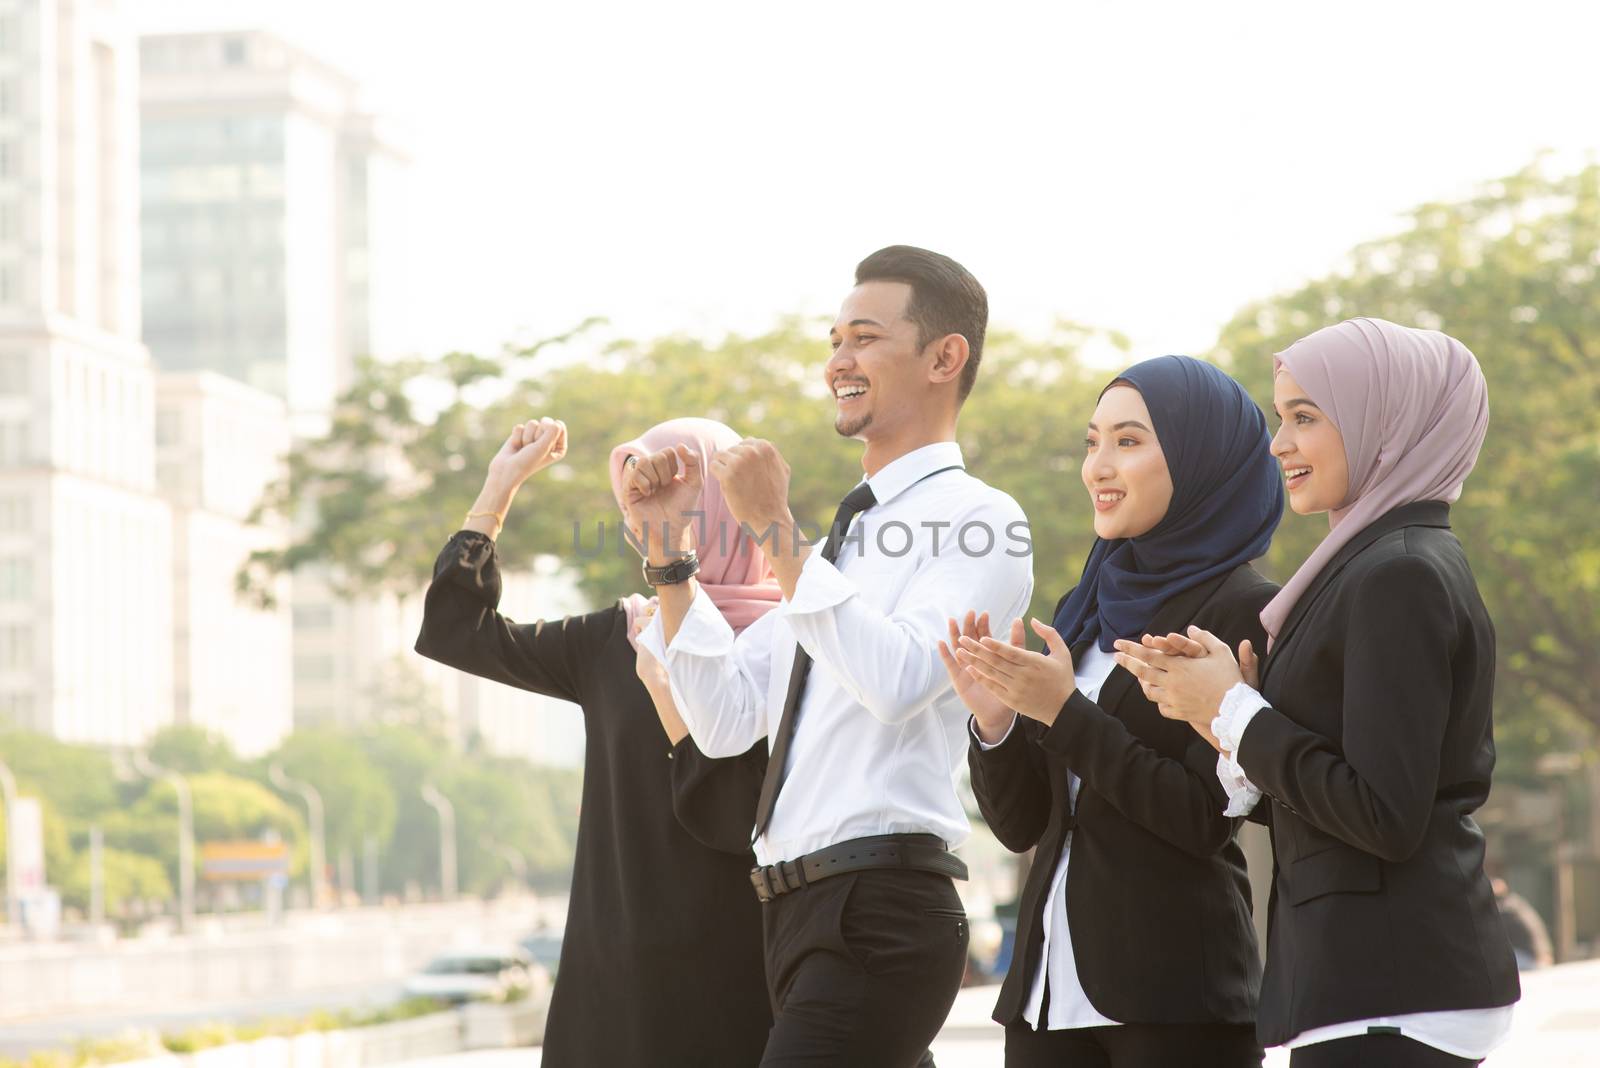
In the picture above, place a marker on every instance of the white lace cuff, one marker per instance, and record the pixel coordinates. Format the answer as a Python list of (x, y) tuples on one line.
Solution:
[(1239, 706), (1242, 794)]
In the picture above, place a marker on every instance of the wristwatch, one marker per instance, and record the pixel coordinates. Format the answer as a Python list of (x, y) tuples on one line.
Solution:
[(680, 570)]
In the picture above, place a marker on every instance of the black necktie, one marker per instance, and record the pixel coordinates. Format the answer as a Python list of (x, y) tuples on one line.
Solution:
[(857, 501)]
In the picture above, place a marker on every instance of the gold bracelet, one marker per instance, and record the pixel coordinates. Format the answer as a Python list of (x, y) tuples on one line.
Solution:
[(499, 520)]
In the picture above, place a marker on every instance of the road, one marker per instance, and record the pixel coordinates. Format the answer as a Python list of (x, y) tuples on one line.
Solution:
[(19, 1037), (1557, 1026)]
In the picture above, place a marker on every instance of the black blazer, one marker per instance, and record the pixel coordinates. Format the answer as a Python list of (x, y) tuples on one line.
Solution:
[(1158, 901), (1376, 748)]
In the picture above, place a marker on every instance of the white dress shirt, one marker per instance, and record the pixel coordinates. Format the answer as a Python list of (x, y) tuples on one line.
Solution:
[(1069, 1004), (1469, 1033), (881, 734)]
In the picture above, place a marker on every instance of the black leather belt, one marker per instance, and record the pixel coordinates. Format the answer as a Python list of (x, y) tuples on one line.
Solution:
[(913, 852)]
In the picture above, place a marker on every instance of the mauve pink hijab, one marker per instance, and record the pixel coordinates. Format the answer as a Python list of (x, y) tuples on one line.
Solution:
[(1413, 408), (733, 571)]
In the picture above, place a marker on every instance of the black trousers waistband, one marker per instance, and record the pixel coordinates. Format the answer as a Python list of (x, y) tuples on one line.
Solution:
[(912, 852)]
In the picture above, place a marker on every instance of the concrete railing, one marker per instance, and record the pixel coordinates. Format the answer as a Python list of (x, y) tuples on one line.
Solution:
[(317, 952)]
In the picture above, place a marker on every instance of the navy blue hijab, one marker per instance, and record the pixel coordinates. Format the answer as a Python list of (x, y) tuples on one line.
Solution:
[(1227, 498)]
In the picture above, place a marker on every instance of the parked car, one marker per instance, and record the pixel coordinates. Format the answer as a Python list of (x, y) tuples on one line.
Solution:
[(474, 975), (544, 945)]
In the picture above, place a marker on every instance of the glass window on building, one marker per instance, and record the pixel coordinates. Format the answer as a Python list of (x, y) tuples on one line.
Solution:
[(16, 578), (17, 707), (168, 427), (16, 514), (314, 669), (13, 443), (314, 616), (14, 374), (16, 647)]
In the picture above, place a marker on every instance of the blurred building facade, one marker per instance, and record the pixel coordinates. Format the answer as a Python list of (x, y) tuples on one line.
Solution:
[(274, 253), (264, 193), (219, 444), (272, 214), (85, 539)]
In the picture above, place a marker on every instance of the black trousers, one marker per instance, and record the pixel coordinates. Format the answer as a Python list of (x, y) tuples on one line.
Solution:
[(1375, 1051), (862, 969), (1136, 1045)]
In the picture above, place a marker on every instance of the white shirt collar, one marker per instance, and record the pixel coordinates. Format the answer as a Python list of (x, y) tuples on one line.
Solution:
[(901, 474)]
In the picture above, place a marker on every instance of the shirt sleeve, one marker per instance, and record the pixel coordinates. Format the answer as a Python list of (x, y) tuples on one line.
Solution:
[(715, 800), (462, 627), (972, 726), (890, 662), (719, 681)]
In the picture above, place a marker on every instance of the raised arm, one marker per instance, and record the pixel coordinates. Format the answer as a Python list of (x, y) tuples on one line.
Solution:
[(714, 799), (461, 624), (717, 685)]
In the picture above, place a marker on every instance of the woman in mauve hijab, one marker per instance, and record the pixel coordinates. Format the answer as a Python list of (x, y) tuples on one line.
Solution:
[(1134, 944), (661, 960), (1364, 738)]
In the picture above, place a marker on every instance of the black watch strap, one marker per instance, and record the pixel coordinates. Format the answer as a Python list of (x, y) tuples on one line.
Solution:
[(680, 570)]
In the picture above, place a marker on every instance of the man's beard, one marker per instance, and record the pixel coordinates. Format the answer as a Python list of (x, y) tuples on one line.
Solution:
[(852, 429)]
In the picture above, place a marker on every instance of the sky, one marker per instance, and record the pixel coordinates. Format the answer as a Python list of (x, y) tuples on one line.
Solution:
[(707, 167)]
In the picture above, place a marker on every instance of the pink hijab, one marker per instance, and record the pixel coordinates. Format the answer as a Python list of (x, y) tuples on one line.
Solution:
[(1413, 408), (733, 571)]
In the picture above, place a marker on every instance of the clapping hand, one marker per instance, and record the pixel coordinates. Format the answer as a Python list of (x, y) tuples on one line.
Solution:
[(992, 716), (1187, 675), (1034, 684)]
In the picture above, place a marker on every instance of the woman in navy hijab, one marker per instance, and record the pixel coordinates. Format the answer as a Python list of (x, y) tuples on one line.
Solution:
[(1134, 943)]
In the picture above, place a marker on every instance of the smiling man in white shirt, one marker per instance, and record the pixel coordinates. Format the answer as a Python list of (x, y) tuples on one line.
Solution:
[(865, 935)]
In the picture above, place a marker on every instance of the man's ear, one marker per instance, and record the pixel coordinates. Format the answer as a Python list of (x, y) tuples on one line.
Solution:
[(950, 355)]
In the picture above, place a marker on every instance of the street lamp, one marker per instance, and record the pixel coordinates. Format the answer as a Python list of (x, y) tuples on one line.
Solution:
[(144, 767), (519, 865), (313, 800), (8, 787), (447, 839)]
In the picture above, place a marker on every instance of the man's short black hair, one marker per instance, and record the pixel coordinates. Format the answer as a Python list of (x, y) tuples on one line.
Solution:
[(945, 298)]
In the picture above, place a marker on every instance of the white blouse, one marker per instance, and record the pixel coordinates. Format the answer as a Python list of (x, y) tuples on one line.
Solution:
[(1069, 1005)]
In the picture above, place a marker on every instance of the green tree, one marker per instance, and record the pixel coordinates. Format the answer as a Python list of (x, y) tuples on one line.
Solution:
[(129, 877), (356, 798), (1511, 271), (75, 787), (191, 750), (78, 780), (226, 808), (406, 758), (391, 482)]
